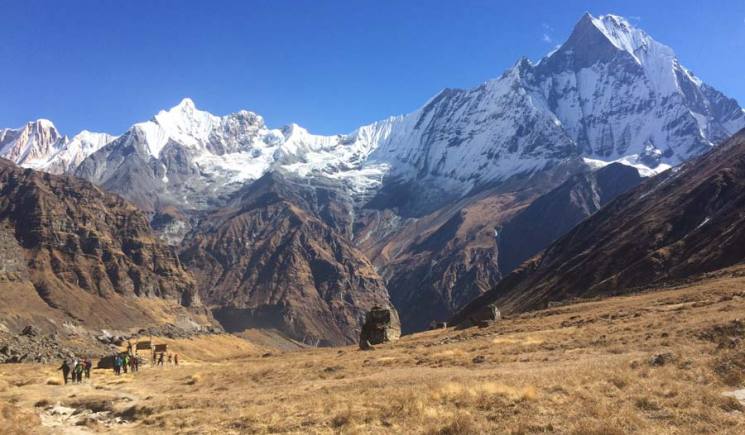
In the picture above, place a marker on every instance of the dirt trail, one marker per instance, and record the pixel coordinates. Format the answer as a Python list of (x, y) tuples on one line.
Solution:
[(105, 402)]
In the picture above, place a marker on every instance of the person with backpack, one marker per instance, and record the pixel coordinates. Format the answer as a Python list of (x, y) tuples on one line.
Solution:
[(117, 364), (125, 363)]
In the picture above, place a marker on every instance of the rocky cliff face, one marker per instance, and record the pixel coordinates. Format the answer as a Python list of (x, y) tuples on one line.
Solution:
[(88, 255), (555, 213), (436, 263), (686, 221), (268, 261)]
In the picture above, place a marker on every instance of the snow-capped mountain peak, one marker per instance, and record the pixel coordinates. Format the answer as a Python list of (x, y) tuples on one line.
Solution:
[(32, 142), (609, 93), (39, 145), (183, 123), (620, 94), (625, 36)]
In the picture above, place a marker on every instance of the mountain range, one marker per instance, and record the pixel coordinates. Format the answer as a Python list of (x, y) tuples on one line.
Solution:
[(285, 229), (685, 222)]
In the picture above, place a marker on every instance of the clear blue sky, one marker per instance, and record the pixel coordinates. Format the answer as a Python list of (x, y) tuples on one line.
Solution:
[(327, 65)]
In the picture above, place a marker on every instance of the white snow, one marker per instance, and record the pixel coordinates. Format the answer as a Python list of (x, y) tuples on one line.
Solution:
[(704, 222), (520, 122), (633, 161)]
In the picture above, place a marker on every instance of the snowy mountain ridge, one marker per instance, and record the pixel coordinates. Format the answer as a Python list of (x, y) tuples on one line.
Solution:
[(39, 145), (609, 93)]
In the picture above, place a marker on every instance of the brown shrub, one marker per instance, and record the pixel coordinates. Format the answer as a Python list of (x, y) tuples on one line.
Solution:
[(460, 424)]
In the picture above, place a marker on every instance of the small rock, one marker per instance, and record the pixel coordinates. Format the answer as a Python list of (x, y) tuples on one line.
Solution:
[(478, 359), (30, 331), (661, 359)]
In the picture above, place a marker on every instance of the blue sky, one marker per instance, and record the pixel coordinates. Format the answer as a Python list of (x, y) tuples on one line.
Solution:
[(327, 65)]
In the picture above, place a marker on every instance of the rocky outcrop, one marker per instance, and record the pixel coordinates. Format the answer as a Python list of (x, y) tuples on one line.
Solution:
[(482, 317), (381, 326), (71, 252), (267, 261)]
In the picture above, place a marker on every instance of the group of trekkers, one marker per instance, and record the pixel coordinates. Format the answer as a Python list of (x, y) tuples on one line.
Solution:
[(125, 362), (158, 358), (74, 369)]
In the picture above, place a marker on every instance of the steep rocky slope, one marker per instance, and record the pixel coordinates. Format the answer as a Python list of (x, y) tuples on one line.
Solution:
[(436, 263), (684, 222), (73, 253), (556, 212), (268, 261)]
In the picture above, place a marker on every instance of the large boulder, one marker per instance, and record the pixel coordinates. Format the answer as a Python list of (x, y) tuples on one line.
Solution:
[(381, 326), (484, 316)]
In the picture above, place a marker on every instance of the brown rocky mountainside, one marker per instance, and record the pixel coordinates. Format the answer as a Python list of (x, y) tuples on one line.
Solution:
[(269, 260), (435, 264), (73, 254), (555, 213), (686, 221)]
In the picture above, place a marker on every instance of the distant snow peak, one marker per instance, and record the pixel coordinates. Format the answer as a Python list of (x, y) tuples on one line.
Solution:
[(186, 104), (39, 145)]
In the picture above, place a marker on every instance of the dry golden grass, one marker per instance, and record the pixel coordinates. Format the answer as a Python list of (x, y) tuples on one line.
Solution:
[(583, 369)]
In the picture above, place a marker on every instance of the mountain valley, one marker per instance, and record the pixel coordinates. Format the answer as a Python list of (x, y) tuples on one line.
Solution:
[(302, 233)]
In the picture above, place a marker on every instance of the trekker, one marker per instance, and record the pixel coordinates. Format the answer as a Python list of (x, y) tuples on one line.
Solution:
[(125, 363), (87, 366), (170, 359), (175, 359), (79, 372), (65, 367), (160, 359), (117, 365), (74, 370)]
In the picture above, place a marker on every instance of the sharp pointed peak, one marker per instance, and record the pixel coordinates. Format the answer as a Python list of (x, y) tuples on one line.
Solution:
[(42, 123), (185, 103), (595, 38), (585, 18)]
